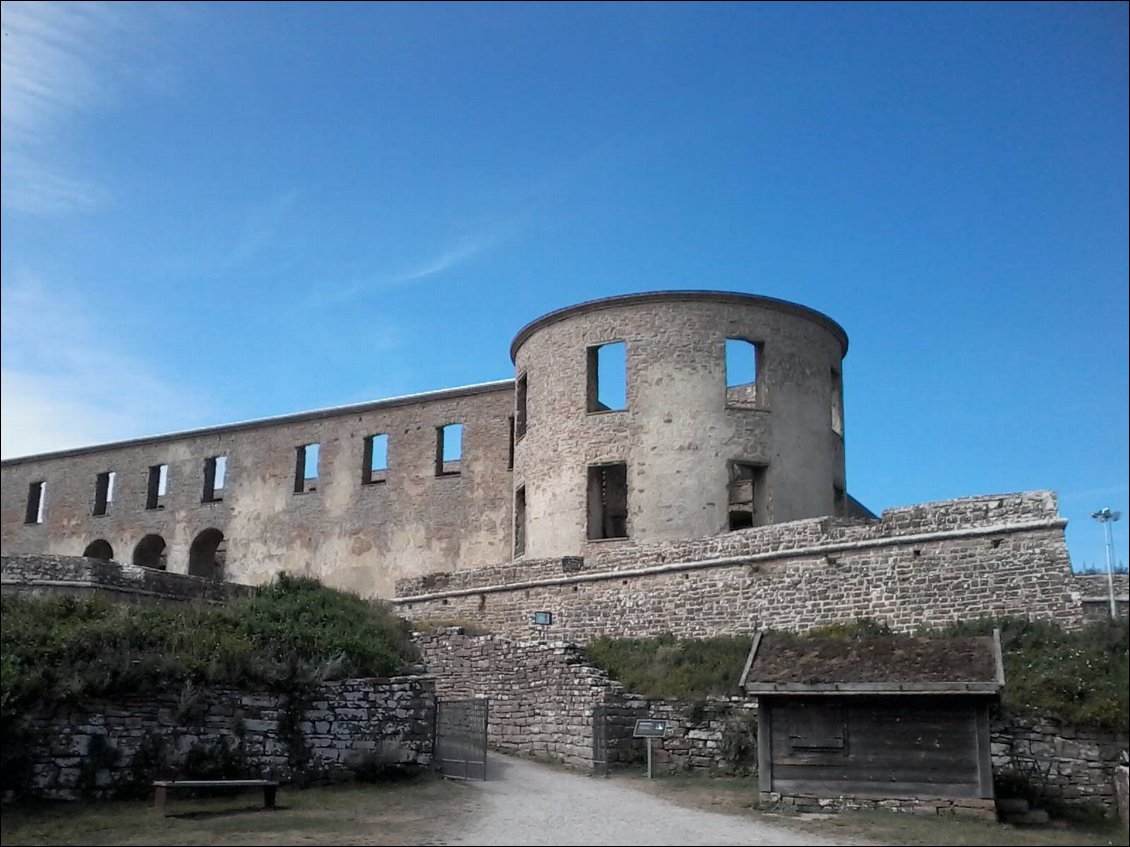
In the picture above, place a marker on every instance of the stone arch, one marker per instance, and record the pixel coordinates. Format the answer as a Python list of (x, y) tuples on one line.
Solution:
[(207, 553), (151, 552), (99, 549)]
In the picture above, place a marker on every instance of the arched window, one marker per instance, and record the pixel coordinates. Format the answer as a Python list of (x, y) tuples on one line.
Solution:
[(206, 555), (150, 552), (99, 549)]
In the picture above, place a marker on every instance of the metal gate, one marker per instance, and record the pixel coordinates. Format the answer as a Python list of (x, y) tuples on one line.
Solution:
[(600, 741), (461, 738)]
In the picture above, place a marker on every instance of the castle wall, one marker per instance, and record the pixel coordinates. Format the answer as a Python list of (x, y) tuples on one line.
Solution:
[(681, 427), (929, 564), (348, 534)]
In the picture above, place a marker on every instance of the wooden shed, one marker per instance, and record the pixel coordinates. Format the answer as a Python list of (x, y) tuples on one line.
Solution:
[(876, 721)]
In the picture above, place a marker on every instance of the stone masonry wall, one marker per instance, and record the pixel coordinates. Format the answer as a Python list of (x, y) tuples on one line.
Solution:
[(344, 721), (80, 576), (541, 695), (923, 565), (1094, 591), (1069, 764), (350, 533)]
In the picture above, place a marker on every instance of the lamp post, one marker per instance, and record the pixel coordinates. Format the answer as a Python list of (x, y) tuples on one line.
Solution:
[(1106, 517)]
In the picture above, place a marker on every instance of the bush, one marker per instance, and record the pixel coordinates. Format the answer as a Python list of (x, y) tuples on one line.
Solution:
[(289, 634)]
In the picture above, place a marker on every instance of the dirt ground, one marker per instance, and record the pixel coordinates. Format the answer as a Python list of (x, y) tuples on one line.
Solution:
[(523, 802)]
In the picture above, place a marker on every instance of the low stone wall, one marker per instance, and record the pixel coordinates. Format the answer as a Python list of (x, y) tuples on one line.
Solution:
[(710, 738), (79, 576), (966, 807), (926, 565), (1066, 764), (105, 747)]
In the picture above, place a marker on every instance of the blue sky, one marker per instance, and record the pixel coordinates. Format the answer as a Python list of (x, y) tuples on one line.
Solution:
[(217, 212)]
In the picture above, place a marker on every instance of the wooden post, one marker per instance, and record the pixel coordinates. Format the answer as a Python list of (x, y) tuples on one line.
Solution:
[(160, 795), (649, 757)]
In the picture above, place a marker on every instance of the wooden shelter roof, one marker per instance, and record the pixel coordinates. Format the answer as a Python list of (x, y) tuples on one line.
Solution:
[(780, 663)]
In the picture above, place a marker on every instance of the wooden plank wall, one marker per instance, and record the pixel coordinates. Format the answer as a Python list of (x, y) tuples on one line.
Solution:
[(894, 746)]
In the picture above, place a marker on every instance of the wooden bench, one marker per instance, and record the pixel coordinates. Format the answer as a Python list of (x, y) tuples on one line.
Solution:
[(162, 787)]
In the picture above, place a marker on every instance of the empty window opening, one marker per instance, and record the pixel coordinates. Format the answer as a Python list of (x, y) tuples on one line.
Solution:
[(510, 452), (520, 521), (747, 495), (520, 407), (839, 501), (207, 553), (306, 468), (158, 486), (374, 464), (99, 549), (608, 501), (837, 403), (743, 365), (215, 475), (36, 498), (103, 492), (449, 449), (150, 552), (607, 384)]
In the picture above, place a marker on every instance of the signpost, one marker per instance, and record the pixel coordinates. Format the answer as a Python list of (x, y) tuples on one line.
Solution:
[(649, 728)]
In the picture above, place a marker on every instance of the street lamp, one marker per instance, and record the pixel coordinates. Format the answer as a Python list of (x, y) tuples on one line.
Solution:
[(1106, 517)]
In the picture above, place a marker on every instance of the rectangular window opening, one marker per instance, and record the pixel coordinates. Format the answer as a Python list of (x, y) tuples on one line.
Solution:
[(608, 501), (520, 407), (837, 403), (743, 366), (103, 492), (36, 498), (157, 487), (215, 473), (510, 452), (375, 463), (449, 449), (306, 468), (520, 521), (607, 381), (747, 506)]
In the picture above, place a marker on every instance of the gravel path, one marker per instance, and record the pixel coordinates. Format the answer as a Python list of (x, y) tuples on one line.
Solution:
[(525, 802)]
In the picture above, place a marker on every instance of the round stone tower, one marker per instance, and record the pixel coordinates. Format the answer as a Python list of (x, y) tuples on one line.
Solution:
[(675, 414)]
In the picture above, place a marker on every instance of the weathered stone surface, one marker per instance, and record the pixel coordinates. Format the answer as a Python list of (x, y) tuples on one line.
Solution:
[(127, 723)]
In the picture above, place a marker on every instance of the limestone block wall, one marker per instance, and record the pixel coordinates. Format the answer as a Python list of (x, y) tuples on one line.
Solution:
[(349, 533), (80, 576), (542, 694), (101, 747), (923, 565), (1094, 593), (1074, 765), (680, 427)]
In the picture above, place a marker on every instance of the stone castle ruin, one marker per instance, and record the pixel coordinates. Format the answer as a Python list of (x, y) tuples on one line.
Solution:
[(671, 461)]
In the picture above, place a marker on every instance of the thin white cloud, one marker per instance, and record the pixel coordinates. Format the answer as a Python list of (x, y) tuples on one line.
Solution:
[(446, 258), (59, 60), (70, 386)]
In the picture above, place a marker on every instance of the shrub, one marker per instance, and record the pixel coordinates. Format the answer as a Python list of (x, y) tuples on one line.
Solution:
[(291, 633)]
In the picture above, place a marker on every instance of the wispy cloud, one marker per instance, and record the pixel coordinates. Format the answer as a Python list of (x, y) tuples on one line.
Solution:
[(59, 60), (445, 257), (70, 386)]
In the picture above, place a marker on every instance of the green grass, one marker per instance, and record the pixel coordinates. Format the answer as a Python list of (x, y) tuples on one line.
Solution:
[(665, 666), (395, 813)]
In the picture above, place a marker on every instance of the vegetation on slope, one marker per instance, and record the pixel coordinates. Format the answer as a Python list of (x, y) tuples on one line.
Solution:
[(290, 632), (1077, 676)]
